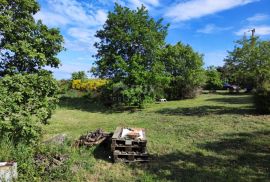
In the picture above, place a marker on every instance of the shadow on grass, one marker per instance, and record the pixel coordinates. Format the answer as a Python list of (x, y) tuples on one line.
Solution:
[(81, 103), (206, 110), (237, 157), (89, 105), (103, 151), (232, 100)]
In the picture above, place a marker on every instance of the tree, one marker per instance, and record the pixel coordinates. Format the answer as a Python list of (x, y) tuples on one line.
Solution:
[(128, 55), (249, 62), (80, 75), (213, 79), (184, 66), (28, 93), (26, 45)]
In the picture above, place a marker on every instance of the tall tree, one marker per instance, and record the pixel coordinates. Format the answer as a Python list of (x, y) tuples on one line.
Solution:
[(249, 62), (128, 54), (26, 45), (185, 67)]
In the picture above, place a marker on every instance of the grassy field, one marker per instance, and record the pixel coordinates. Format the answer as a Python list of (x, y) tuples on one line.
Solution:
[(215, 137)]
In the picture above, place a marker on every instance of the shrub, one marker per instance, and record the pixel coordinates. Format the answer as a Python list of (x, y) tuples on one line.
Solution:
[(64, 86), (213, 79), (262, 99), (26, 102), (88, 85)]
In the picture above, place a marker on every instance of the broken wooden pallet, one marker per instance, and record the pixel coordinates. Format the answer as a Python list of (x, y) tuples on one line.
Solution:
[(130, 156)]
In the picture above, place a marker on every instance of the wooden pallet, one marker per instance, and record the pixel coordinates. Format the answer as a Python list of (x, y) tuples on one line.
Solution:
[(118, 141), (129, 150), (130, 156)]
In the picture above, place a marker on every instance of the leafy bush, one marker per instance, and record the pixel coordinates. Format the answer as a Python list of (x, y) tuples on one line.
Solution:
[(64, 86), (26, 102), (262, 99), (213, 79)]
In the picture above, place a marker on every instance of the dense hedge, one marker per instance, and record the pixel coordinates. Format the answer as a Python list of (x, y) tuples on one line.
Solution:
[(92, 84), (262, 100), (26, 102)]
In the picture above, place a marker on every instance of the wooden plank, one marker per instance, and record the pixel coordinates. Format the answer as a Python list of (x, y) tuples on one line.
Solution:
[(119, 153), (117, 133)]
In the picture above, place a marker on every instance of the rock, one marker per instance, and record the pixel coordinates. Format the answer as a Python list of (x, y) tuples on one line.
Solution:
[(58, 139)]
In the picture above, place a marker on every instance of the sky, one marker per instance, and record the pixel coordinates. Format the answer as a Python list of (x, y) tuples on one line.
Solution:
[(209, 26)]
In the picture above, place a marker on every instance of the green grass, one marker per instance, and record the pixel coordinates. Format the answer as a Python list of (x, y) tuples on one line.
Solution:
[(215, 137)]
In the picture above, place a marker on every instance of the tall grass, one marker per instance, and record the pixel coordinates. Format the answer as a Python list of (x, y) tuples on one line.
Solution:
[(37, 163)]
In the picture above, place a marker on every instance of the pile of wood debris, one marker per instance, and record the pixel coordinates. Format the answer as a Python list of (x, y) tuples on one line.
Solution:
[(50, 162), (93, 138)]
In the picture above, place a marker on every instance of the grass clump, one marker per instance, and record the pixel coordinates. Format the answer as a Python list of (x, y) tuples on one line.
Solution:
[(47, 162)]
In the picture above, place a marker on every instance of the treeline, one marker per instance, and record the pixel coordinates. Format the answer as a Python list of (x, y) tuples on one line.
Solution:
[(133, 56), (140, 67)]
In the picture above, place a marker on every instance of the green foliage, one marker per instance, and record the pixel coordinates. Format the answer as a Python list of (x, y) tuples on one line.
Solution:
[(262, 99), (213, 79), (64, 86), (80, 75), (23, 155), (128, 55), (26, 45), (37, 162), (184, 66), (26, 102), (249, 62)]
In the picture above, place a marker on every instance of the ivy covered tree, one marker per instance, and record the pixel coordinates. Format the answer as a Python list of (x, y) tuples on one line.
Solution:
[(129, 55), (185, 67), (26, 46), (213, 79)]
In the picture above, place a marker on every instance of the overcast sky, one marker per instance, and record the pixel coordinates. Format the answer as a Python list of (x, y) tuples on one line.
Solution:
[(209, 26)]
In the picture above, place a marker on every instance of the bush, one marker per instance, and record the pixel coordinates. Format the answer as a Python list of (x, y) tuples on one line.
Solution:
[(88, 85), (262, 99), (26, 102), (64, 86), (213, 79)]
